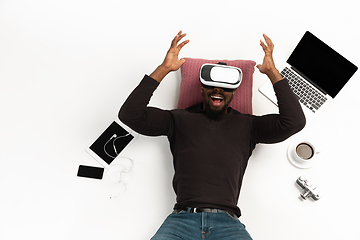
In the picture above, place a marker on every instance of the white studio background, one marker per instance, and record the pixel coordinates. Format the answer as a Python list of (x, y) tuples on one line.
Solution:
[(66, 67)]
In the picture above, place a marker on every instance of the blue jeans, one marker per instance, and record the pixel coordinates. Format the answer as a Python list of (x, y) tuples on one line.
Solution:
[(211, 226)]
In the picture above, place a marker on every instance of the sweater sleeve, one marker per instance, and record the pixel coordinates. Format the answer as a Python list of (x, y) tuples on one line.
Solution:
[(138, 116), (275, 128)]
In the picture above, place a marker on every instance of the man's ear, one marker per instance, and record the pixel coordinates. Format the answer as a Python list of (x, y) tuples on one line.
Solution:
[(201, 90)]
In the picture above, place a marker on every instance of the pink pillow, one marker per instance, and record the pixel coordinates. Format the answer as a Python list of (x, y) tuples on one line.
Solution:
[(190, 85)]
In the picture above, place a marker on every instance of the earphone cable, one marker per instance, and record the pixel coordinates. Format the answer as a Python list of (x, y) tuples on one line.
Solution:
[(113, 144)]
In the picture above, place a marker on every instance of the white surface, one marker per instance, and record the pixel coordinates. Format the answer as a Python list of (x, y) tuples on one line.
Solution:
[(66, 67)]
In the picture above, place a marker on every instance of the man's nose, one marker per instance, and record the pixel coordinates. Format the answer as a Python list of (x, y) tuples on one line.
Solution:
[(218, 89)]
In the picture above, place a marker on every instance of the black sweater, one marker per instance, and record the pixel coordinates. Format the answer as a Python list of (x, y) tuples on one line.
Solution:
[(210, 156)]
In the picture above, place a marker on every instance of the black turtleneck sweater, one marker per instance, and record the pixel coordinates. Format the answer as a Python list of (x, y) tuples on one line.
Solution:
[(210, 156)]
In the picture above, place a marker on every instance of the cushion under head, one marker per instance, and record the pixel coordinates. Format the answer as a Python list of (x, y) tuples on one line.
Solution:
[(190, 93)]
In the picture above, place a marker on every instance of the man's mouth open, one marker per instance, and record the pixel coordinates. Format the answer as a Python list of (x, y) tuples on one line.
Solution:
[(216, 100)]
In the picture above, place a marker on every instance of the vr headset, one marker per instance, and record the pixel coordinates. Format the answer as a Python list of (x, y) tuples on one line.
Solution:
[(220, 75)]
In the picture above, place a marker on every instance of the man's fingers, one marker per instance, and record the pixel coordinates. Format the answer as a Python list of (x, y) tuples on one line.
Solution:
[(268, 41), (174, 41), (263, 45), (181, 35), (177, 39), (183, 44), (174, 44), (268, 47)]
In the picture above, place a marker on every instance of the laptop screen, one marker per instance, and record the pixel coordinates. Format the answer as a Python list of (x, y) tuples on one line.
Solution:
[(321, 65)]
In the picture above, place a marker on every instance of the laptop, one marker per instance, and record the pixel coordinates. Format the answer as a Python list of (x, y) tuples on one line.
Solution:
[(316, 73)]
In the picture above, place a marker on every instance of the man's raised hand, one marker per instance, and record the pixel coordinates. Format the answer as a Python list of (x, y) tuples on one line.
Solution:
[(171, 61), (268, 65)]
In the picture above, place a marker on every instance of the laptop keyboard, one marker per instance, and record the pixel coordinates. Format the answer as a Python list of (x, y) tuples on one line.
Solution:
[(308, 95)]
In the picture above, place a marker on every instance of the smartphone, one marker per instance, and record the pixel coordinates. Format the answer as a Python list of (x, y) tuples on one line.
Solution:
[(90, 172)]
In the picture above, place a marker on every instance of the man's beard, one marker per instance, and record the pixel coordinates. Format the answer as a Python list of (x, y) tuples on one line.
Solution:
[(214, 114)]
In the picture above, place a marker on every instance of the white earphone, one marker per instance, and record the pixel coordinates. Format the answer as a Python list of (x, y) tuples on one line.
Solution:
[(113, 144), (120, 174)]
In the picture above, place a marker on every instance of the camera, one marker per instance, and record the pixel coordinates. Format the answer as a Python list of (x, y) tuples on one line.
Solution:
[(309, 189)]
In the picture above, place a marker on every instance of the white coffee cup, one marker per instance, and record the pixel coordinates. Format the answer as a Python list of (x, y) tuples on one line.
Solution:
[(303, 154)]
